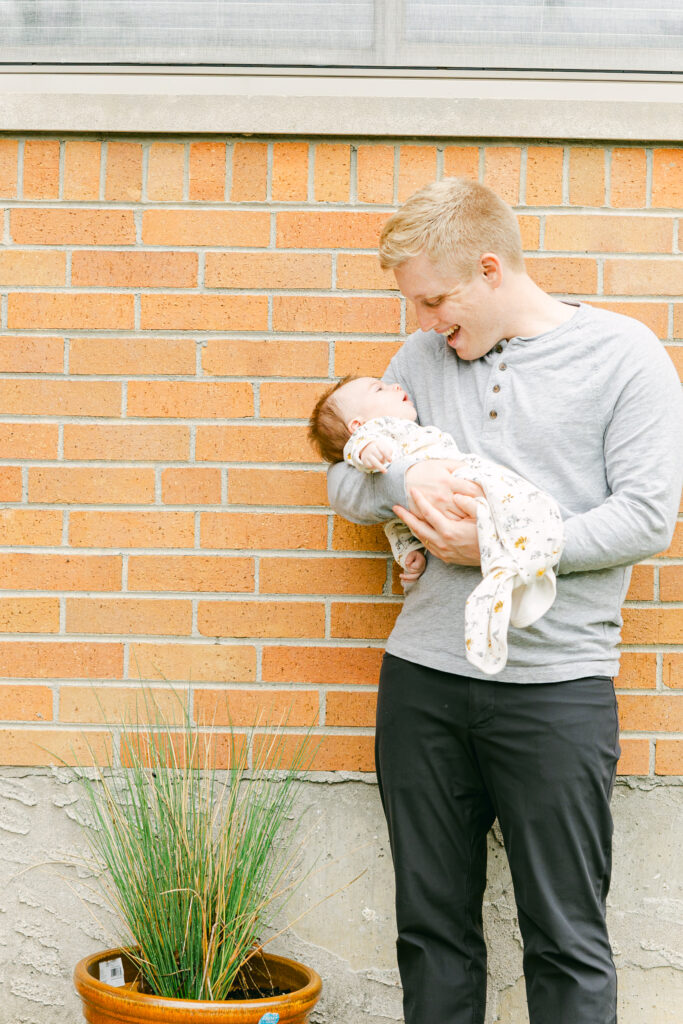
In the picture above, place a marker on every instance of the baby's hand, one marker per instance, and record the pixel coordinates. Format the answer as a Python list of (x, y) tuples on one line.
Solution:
[(415, 566), (377, 455)]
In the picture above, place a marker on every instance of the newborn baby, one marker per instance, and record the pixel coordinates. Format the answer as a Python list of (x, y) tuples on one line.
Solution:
[(369, 423)]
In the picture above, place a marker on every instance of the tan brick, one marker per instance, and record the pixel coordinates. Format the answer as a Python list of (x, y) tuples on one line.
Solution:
[(669, 757), (667, 177), (246, 443), (363, 358), (369, 621), (193, 662), (671, 583), (530, 231), (501, 171), (204, 312), (261, 618), (25, 703), (207, 171), (642, 586), (267, 358), (544, 175), (289, 401), (123, 182), (190, 399), (608, 233), (260, 707), (276, 487), (60, 397), (131, 356), (37, 747), (416, 168), (190, 485), (339, 752), (10, 483), (29, 440), (332, 176), (205, 227), (121, 704), (31, 355), (32, 267), (360, 271), (375, 171), (652, 713), (644, 277), (329, 229), (652, 626), (82, 169), (290, 172), (61, 660), (672, 670), (9, 155), (267, 270), (676, 355), (654, 314), (200, 573), (91, 485), (27, 571), (341, 315), (675, 549), (165, 171), (587, 176), (637, 670), (635, 757), (21, 527), (63, 310), (72, 227), (354, 537), (269, 530), (322, 575), (134, 269), (129, 442), (249, 172), (127, 529), (29, 615), (128, 615), (461, 162), (355, 709), (41, 169), (322, 665), (628, 178), (566, 275)]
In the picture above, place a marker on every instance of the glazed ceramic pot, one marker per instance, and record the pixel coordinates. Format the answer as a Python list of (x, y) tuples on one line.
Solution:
[(106, 1004)]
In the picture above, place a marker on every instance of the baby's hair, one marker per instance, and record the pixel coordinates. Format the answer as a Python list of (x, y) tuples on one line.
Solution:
[(326, 428)]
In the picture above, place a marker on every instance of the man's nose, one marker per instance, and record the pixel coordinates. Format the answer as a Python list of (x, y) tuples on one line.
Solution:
[(426, 318)]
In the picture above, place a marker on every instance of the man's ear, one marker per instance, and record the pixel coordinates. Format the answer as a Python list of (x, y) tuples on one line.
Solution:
[(354, 424), (491, 269)]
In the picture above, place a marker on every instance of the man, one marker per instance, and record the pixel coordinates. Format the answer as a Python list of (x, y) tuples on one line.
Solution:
[(586, 405)]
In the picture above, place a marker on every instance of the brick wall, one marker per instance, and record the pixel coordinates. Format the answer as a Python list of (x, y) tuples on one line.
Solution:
[(170, 311)]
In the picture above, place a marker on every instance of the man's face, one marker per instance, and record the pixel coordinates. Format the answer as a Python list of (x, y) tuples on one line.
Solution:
[(367, 397), (464, 312)]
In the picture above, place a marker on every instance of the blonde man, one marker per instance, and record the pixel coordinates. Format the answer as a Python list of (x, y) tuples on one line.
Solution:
[(586, 405)]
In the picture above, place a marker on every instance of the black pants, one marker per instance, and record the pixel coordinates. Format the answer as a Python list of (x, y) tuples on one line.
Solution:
[(454, 753)]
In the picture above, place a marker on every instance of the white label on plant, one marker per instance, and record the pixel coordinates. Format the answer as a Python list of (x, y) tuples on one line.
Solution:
[(111, 972)]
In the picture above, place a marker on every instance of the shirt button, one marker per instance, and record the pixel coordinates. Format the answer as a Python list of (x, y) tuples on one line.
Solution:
[(496, 388), (499, 348), (503, 366), (493, 414)]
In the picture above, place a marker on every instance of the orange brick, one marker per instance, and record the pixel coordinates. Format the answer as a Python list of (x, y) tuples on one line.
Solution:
[(57, 660), (628, 178), (375, 170), (370, 621), (201, 573), (675, 550), (277, 487), (267, 358), (29, 615), (256, 707), (363, 358), (567, 275), (676, 355), (267, 270), (501, 171), (128, 615), (357, 271), (672, 672), (290, 171), (21, 527), (461, 162), (669, 757), (249, 172), (417, 168), (332, 173), (27, 571), (261, 618), (125, 529), (652, 713), (269, 530), (72, 227), (41, 169), (87, 311), (667, 177), (31, 355), (214, 750), (205, 227), (25, 703), (671, 583), (32, 267), (193, 662), (190, 485), (134, 269), (654, 314), (652, 626), (646, 277), (190, 399), (123, 181), (642, 587), (635, 757), (329, 229), (637, 670), (544, 175), (254, 444), (10, 483), (354, 537), (207, 171), (204, 312), (9, 151), (289, 401), (608, 233), (33, 440), (322, 575), (131, 356), (340, 315), (350, 753), (322, 665), (530, 231), (91, 485), (587, 176), (32, 747), (129, 442), (121, 704), (82, 169), (350, 709), (60, 397), (165, 171)]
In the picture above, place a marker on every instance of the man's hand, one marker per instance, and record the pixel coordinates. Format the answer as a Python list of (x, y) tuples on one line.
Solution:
[(442, 511)]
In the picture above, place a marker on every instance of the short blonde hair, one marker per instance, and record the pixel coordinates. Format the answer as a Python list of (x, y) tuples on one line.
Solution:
[(326, 427), (454, 221)]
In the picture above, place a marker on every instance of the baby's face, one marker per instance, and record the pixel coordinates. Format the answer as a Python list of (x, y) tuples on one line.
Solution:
[(367, 397)]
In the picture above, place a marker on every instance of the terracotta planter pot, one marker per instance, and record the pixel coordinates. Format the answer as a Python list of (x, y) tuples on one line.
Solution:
[(105, 1004)]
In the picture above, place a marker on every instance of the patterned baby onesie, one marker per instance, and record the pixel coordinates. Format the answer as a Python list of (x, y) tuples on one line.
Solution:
[(519, 529)]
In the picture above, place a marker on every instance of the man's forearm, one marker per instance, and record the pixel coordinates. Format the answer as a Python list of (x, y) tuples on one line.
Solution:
[(367, 497)]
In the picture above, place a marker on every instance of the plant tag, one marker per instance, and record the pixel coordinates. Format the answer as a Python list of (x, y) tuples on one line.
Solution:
[(111, 972), (269, 1018)]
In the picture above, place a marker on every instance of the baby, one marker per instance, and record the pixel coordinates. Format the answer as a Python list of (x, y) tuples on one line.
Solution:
[(368, 423)]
